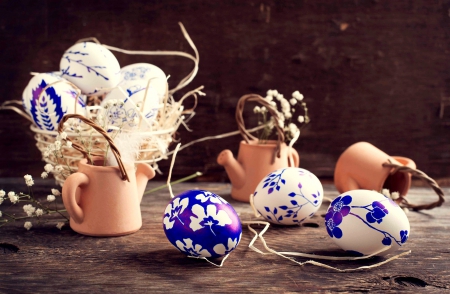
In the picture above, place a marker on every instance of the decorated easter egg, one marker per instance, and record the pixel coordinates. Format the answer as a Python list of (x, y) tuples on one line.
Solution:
[(91, 67), (135, 97), (288, 196), (145, 72), (364, 222), (202, 224), (60, 98)]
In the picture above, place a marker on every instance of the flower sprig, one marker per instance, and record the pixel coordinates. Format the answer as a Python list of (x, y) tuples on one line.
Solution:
[(287, 121), (33, 209)]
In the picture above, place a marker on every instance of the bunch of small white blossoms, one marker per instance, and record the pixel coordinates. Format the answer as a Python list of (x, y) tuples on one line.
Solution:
[(286, 115), (54, 153), (33, 209)]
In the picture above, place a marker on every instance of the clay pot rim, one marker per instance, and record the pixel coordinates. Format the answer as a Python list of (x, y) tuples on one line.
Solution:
[(101, 168), (254, 143)]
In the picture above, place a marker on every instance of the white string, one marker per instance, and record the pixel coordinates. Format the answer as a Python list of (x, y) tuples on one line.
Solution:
[(171, 168), (186, 80), (306, 255), (204, 258), (221, 136), (291, 143)]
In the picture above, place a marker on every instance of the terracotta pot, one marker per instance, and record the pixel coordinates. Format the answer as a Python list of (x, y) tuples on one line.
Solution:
[(101, 203), (360, 166), (254, 162)]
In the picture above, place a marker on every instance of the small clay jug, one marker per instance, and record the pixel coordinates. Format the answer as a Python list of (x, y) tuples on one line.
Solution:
[(364, 166), (360, 166), (104, 200), (255, 159), (101, 203)]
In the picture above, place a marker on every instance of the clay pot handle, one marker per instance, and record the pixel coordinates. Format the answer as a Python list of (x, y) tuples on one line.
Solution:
[(70, 187), (99, 129), (422, 176), (240, 119)]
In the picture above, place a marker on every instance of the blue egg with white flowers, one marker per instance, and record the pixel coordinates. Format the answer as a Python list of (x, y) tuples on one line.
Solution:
[(202, 224)]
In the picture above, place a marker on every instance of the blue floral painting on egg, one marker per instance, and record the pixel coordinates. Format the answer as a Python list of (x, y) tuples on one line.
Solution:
[(298, 199), (47, 109), (202, 224), (376, 211)]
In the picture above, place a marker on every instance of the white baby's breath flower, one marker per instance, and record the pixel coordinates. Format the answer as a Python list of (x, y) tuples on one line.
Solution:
[(257, 109), (13, 197), (58, 168), (273, 103), (51, 147), (27, 225), (386, 193), (2, 193), (269, 98), (395, 195), (280, 97), (51, 198), (293, 101), (39, 212), (56, 192), (297, 95), (48, 168), (0, 214), (263, 109), (275, 93), (29, 209), (292, 129), (288, 115), (46, 153), (63, 135), (301, 118), (44, 175), (28, 180), (69, 143), (60, 225)]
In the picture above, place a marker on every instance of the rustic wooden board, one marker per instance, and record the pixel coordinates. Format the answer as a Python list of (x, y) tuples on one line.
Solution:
[(370, 70), (49, 260)]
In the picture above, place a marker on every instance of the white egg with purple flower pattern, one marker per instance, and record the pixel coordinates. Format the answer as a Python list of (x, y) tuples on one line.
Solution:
[(364, 222), (202, 224), (288, 196), (91, 67), (145, 72), (60, 98)]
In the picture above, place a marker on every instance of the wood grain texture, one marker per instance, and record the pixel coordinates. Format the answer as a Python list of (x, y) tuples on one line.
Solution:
[(370, 70), (49, 260)]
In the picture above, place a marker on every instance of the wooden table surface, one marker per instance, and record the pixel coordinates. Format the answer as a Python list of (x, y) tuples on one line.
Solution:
[(49, 260)]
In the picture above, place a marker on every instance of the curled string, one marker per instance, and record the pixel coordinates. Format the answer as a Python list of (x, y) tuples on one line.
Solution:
[(424, 177), (306, 255), (172, 163), (291, 143), (99, 129), (186, 80), (241, 126)]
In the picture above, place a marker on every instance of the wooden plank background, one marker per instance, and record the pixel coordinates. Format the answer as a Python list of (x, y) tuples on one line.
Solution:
[(370, 70)]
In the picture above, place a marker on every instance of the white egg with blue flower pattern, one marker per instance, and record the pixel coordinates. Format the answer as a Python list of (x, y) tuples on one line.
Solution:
[(91, 67), (60, 98), (288, 196), (202, 224), (145, 72), (364, 222), (133, 94)]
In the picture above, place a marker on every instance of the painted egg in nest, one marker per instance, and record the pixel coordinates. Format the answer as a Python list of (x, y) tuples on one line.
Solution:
[(202, 224), (91, 67), (364, 222), (288, 196), (145, 72), (60, 98), (136, 97)]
